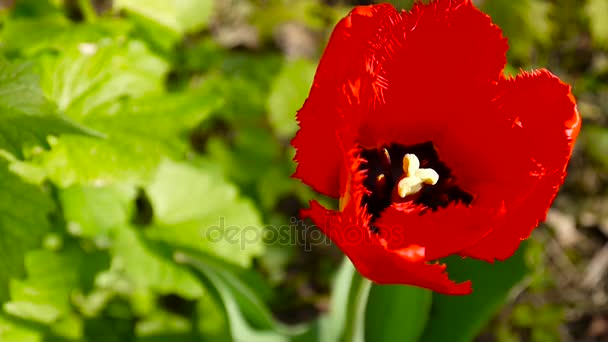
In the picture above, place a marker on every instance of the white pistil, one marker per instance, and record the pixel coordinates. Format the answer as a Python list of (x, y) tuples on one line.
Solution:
[(415, 177)]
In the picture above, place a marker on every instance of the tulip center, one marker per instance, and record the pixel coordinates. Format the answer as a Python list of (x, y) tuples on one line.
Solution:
[(409, 174), (414, 177)]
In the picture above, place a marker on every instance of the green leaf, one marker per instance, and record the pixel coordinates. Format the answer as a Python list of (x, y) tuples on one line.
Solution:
[(36, 8), (213, 321), (95, 211), (287, 95), (149, 265), (26, 117), (30, 36), (354, 326), (12, 330), (167, 117), (80, 160), (180, 16), (53, 277), (246, 159), (460, 318), (161, 324), (396, 313), (345, 320), (597, 11), (89, 75), (249, 318), (24, 209), (206, 211), (140, 133)]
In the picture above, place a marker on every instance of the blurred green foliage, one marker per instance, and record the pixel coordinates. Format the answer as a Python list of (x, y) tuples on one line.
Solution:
[(145, 154)]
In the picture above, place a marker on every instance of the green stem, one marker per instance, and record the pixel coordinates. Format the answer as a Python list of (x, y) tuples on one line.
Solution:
[(354, 329), (86, 7)]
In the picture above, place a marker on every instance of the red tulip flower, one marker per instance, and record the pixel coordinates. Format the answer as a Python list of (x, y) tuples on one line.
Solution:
[(430, 148)]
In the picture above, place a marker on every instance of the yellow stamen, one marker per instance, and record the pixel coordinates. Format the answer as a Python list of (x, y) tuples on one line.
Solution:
[(415, 177)]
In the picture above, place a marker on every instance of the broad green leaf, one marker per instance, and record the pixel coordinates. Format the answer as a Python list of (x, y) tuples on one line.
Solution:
[(150, 265), (597, 11), (205, 211), (94, 211), (460, 318), (167, 117), (246, 159), (161, 39), (180, 16), (91, 74), (244, 81), (30, 36), (24, 210), (26, 117), (163, 324), (287, 95), (396, 313), (80, 160), (12, 330), (140, 133), (36, 8), (52, 278)]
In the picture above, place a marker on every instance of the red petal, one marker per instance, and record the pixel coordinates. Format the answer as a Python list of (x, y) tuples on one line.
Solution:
[(343, 89), (440, 65), (544, 125), (441, 72), (376, 262), (443, 232)]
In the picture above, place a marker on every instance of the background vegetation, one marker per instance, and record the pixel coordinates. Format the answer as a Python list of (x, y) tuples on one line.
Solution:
[(128, 128)]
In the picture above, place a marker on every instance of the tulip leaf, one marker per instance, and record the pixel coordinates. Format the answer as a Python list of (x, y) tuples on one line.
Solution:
[(346, 316), (249, 318), (460, 318), (396, 313)]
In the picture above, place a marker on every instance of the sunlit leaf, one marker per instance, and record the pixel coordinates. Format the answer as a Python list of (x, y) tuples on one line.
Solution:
[(26, 117), (206, 211), (288, 92), (91, 74), (24, 211), (179, 15)]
